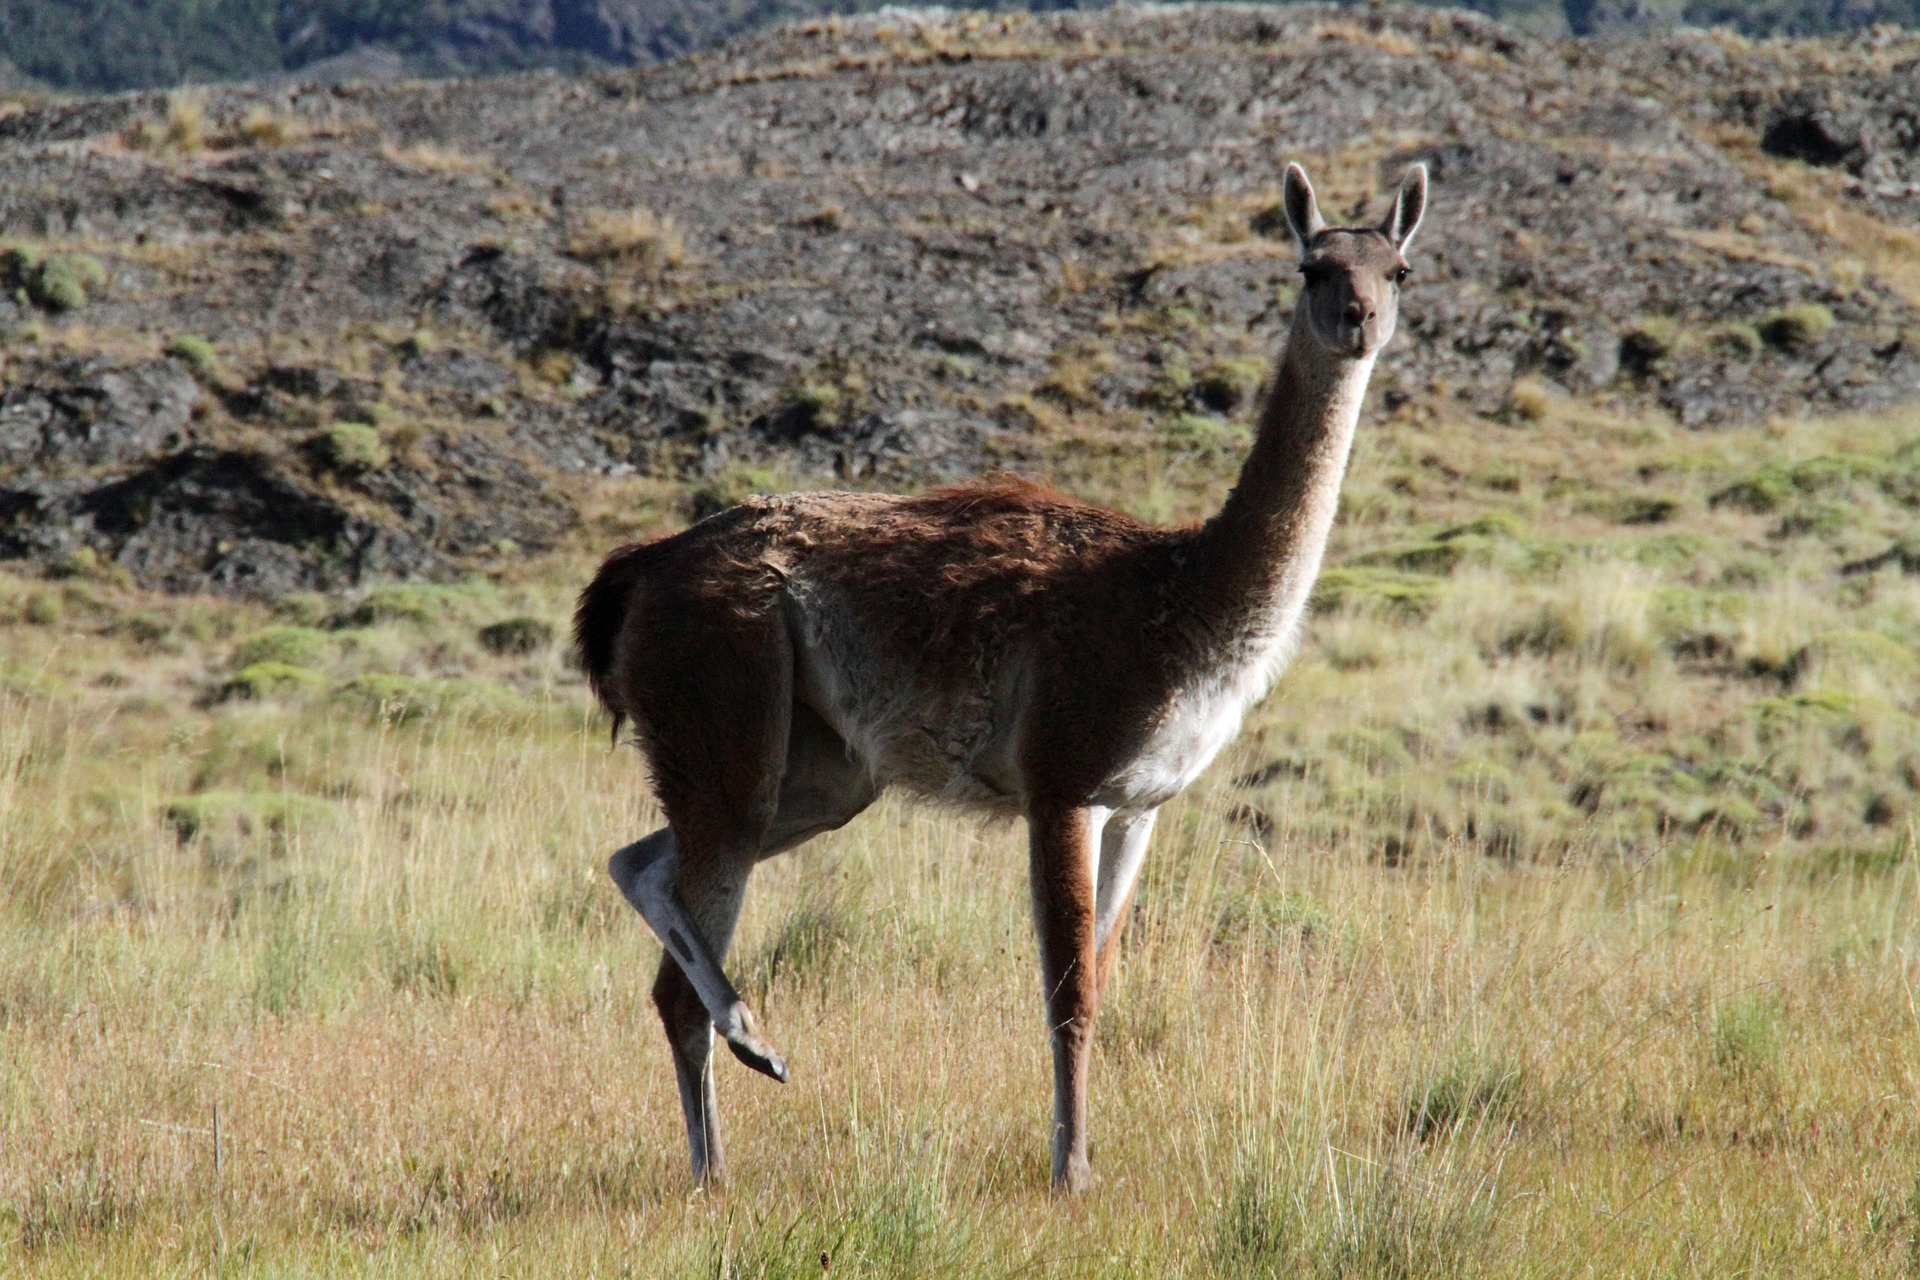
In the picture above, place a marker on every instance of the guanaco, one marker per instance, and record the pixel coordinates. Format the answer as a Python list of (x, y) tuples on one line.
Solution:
[(995, 646)]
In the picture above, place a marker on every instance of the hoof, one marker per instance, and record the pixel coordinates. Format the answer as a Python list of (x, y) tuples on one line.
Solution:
[(1075, 1179), (744, 1039), (759, 1055)]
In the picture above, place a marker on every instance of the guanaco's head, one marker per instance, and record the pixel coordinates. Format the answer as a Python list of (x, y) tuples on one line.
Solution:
[(1353, 274)]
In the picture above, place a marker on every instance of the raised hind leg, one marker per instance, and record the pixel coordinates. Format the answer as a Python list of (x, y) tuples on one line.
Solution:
[(691, 899), (673, 895), (713, 906)]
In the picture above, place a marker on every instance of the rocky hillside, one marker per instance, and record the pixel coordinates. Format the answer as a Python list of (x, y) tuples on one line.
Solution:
[(260, 340)]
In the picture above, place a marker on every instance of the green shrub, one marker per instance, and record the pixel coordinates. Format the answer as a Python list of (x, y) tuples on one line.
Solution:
[(400, 699), (1483, 540), (1829, 710), (43, 609), (353, 448), (1466, 1092), (516, 636), (1770, 488), (263, 680), (19, 263), (1647, 347), (1202, 433), (1638, 510), (59, 282), (197, 354), (1741, 341), (729, 489), (1408, 594), (1761, 492), (424, 967), (1796, 328), (812, 939), (820, 403), (1268, 919), (293, 646), (304, 608), (1746, 1037), (419, 603), (62, 283), (247, 813), (1228, 385), (408, 699)]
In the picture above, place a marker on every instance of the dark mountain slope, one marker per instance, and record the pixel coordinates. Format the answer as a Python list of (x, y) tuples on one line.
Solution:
[(902, 249), (130, 44)]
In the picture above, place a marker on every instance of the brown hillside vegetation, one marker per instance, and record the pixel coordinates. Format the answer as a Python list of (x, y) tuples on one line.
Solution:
[(1556, 915)]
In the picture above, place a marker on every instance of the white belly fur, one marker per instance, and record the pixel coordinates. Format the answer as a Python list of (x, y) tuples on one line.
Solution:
[(1197, 724)]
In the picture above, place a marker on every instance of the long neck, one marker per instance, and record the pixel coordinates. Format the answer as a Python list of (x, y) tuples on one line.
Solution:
[(1256, 561)]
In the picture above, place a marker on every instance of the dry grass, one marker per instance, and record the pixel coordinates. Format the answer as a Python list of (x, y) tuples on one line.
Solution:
[(433, 158), (1556, 916), (635, 238)]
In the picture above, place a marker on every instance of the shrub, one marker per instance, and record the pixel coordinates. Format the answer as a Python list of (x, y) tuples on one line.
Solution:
[(1226, 385), (1771, 487), (1495, 536), (729, 489), (294, 646), (352, 448), (197, 354), (516, 636), (245, 813), (1761, 492), (1528, 400), (1639, 510), (1408, 594), (304, 608), (259, 681), (1466, 1092), (1266, 919), (819, 404), (407, 699), (1741, 341), (1646, 348), (424, 967), (1746, 1037), (1796, 328), (1201, 433), (419, 603), (43, 609), (57, 283), (19, 266)]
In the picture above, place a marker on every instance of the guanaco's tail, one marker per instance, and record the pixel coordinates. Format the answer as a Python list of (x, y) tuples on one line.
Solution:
[(598, 620)]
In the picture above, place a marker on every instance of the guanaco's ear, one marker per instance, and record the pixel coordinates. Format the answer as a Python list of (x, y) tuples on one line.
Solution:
[(1409, 206), (1303, 211)]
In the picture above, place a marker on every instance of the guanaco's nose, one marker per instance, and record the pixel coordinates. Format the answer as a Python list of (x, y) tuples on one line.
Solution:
[(1357, 314)]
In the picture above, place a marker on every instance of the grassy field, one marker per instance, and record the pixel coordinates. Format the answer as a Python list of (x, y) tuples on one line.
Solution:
[(1556, 916)]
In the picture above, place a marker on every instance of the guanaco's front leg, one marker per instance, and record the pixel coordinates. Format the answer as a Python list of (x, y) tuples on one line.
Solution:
[(1123, 849), (1063, 910)]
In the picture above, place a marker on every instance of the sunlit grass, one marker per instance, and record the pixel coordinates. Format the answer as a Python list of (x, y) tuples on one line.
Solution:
[(1557, 919)]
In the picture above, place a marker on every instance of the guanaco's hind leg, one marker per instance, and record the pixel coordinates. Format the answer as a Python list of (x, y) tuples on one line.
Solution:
[(713, 903), (691, 906), (1061, 844)]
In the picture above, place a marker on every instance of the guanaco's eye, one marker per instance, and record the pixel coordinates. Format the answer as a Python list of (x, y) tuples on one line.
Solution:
[(1400, 276), (1315, 272)]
